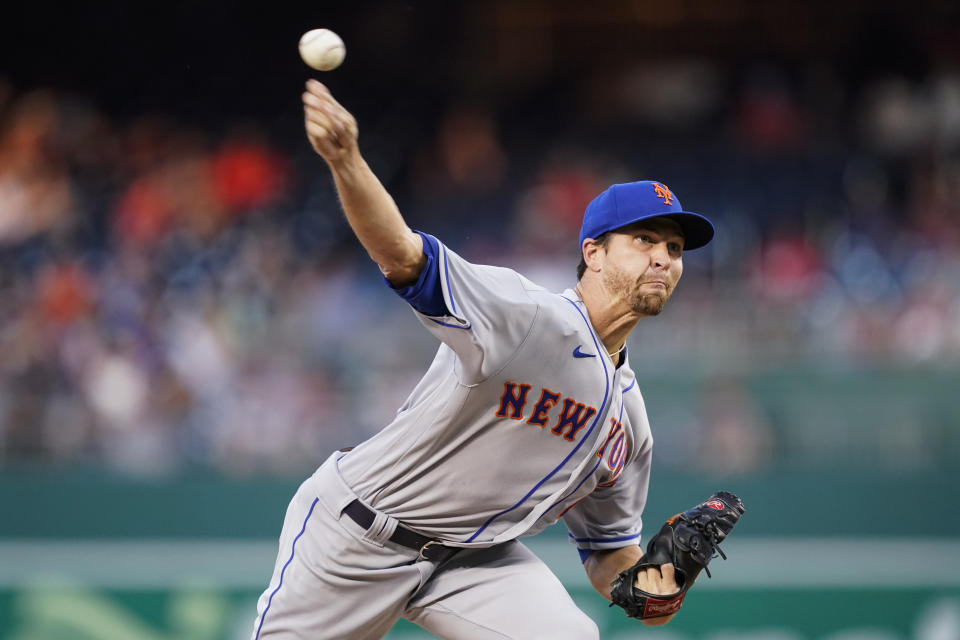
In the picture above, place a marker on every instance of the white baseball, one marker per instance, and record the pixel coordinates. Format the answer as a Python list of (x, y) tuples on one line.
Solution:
[(322, 49)]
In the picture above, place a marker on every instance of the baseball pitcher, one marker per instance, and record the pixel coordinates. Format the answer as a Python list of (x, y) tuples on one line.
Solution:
[(529, 413)]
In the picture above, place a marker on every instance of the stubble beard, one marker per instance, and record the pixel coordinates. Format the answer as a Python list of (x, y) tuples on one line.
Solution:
[(650, 304), (627, 289)]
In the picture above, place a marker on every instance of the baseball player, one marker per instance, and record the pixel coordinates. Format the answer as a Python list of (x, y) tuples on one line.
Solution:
[(528, 414)]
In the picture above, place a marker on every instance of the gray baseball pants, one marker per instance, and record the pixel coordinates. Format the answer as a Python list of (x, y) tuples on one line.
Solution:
[(335, 580)]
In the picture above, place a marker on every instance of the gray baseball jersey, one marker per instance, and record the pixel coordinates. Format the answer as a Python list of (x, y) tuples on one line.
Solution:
[(521, 419)]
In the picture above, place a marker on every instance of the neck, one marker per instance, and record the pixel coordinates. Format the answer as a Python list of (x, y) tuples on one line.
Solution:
[(612, 322)]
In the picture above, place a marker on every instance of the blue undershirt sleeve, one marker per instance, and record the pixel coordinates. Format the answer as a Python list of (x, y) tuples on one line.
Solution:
[(585, 553), (426, 294)]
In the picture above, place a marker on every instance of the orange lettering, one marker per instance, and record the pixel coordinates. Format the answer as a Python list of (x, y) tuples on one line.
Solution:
[(663, 192)]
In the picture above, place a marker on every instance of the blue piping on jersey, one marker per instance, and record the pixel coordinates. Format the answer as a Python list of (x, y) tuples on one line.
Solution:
[(446, 273), (606, 394), (452, 326), (620, 419), (453, 304), (282, 571), (583, 555), (577, 487), (617, 539)]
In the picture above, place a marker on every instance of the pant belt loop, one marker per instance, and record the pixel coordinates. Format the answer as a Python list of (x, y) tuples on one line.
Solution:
[(382, 528)]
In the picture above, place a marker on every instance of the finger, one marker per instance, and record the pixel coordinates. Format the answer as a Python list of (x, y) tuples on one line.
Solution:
[(319, 116), (648, 580), (321, 108), (338, 112), (350, 125), (334, 118), (656, 580), (338, 116), (324, 105), (315, 101), (317, 96), (323, 113), (316, 87), (669, 581), (316, 131), (320, 138)]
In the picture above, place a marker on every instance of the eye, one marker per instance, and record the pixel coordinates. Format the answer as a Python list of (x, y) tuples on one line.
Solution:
[(675, 247), (643, 237)]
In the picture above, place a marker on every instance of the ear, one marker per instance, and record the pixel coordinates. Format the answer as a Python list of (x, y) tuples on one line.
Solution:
[(593, 254)]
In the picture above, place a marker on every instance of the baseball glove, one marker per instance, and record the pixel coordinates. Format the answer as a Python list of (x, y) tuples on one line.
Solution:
[(687, 541)]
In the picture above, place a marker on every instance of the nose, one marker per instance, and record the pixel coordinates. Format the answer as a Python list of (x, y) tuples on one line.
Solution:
[(660, 256)]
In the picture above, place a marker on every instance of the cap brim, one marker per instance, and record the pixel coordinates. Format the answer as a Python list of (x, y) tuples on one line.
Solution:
[(697, 230)]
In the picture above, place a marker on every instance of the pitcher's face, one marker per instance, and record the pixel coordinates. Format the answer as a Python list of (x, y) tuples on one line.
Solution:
[(644, 262)]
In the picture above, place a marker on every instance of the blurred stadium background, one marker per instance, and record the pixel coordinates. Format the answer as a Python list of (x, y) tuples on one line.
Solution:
[(188, 328)]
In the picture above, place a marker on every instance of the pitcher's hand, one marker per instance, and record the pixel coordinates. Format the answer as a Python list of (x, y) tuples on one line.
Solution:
[(331, 129)]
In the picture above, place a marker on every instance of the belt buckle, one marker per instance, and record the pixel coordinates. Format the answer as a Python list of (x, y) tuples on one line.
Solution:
[(426, 548)]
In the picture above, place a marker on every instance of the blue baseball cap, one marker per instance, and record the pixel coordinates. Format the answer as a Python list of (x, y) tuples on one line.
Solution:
[(630, 202)]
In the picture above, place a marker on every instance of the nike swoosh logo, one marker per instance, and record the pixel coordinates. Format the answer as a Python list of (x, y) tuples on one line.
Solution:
[(580, 354)]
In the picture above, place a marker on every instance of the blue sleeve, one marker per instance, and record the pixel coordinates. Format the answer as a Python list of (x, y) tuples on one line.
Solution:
[(584, 554), (426, 294)]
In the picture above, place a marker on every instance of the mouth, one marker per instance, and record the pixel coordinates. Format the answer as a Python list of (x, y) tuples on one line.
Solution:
[(660, 284)]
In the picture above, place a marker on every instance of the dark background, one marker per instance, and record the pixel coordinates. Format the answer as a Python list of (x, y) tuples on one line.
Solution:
[(235, 58), (188, 327)]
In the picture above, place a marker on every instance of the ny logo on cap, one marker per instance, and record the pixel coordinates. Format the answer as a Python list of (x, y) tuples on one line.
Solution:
[(663, 193)]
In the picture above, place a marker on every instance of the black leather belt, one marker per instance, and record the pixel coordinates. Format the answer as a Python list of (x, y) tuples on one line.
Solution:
[(428, 548)]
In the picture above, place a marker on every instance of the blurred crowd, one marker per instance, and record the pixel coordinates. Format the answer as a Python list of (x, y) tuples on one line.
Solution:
[(172, 296)]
